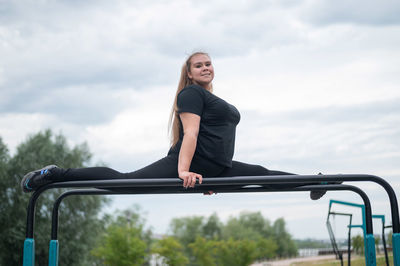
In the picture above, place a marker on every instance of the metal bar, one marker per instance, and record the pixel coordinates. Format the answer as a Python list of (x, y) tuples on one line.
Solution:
[(217, 182), (54, 229), (242, 180)]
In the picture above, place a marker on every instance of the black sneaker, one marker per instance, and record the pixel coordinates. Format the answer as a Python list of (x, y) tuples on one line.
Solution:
[(37, 178), (317, 194)]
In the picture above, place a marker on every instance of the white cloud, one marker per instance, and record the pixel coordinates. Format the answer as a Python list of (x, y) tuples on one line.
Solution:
[(15, 127), (362, 12), (316, 83)]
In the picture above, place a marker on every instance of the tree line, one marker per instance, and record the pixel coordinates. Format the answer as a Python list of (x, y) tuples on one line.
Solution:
[(86, 238), (195, 240)]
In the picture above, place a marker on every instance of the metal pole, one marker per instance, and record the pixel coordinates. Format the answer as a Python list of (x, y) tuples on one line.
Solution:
[(218, 182), (53, 257)]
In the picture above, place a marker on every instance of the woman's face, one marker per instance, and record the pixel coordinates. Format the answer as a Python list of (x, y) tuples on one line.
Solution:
[(201, 70)]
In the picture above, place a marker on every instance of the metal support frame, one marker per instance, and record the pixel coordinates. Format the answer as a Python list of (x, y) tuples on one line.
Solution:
[(333, 240), (362, 226), (363, 216), (53, 250), (218, 184)]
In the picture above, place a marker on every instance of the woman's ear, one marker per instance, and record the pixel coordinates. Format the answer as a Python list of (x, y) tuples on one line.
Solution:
[(189, 75)]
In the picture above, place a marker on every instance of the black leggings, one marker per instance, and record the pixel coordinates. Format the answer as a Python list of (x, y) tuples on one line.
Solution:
[(166, 167)]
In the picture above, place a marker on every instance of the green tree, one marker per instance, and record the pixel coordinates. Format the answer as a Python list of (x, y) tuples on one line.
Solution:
[(78, 224), (225, 252), (253, 226), (171, 251), (204, 237), (186, 229), (358, 244), (249, 225), (286, 245), (124, 240), (204, 251), (266, 248), (236, 252), (212, 229), (390, 239)]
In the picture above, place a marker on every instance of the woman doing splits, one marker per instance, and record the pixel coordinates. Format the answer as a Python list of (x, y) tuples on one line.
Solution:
[(202, 139)]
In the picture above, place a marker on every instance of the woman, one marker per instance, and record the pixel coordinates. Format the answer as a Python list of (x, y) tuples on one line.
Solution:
[(202, 140)]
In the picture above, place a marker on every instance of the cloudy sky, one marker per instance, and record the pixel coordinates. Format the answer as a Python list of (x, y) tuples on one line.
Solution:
[(317, 83)]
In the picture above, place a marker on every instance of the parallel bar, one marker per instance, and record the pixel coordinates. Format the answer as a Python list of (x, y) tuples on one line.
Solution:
[(158, 185), (54, 229)]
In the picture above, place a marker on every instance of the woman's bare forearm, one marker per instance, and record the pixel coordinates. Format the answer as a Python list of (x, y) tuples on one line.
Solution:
[(187, 150)]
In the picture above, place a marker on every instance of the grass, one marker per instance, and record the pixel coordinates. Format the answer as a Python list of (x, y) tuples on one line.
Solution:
[(356, 261)]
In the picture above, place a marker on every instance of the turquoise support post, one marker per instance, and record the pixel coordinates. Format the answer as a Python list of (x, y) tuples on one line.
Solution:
[(29, 252), (370, 250), (396, 248), (53, 253)]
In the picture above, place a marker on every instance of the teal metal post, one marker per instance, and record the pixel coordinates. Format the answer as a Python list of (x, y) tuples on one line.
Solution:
[(396, 248), (370, 257), (53, 253), (29, 252)]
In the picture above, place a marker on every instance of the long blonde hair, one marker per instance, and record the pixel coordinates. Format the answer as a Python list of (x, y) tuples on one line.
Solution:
[(184, 80)]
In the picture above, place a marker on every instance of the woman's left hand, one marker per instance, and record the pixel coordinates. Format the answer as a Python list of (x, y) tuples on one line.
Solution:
[(189, 178)]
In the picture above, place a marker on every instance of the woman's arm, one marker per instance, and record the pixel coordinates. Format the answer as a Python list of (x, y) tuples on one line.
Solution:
[(191, 125)]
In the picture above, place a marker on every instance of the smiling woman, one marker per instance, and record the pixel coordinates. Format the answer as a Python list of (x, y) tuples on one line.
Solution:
[(203, 129)]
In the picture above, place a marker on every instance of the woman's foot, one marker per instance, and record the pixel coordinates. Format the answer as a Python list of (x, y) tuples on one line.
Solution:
[(317, 194), (32, 180)]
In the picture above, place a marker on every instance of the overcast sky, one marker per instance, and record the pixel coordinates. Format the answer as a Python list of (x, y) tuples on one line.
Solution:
[(317, 83)]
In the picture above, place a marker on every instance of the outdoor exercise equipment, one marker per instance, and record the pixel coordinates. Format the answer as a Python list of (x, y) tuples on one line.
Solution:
[(220, 185), (336, 250), (339, 253)]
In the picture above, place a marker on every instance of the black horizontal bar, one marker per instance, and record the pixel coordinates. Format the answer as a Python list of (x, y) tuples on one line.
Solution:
[(158, 185), (368, 211), (341, 213)]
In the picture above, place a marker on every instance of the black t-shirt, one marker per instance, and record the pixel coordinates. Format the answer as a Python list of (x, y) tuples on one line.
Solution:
[(216, 139)]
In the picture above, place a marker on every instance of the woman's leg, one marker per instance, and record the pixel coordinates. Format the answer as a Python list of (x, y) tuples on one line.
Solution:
[(165, 167), (245, 169)]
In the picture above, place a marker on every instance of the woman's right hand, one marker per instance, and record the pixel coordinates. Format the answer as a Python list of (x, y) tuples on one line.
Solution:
[(189, 178)]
